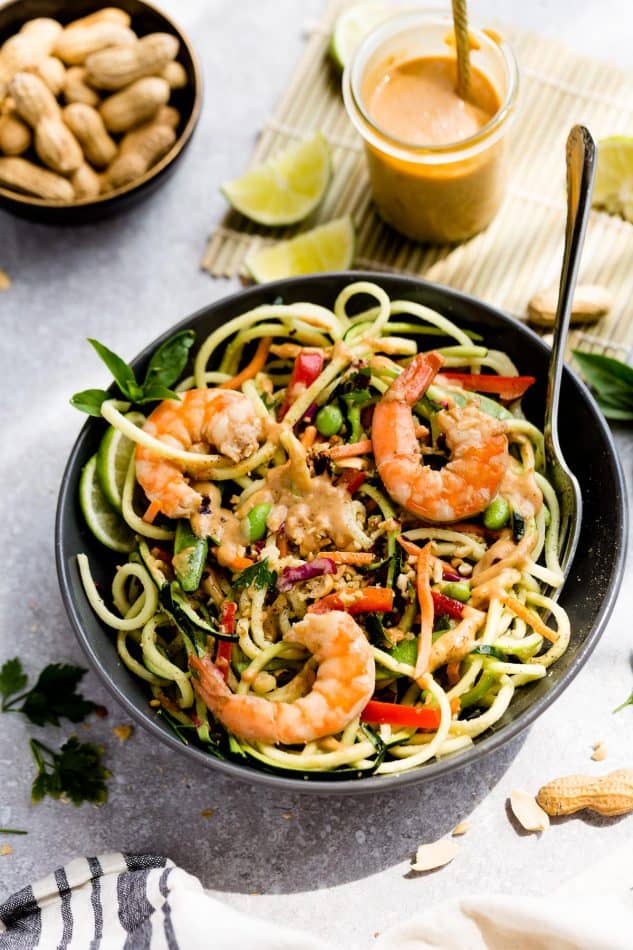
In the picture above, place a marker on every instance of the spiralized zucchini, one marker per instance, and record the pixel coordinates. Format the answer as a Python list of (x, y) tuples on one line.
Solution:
[(507, 575)]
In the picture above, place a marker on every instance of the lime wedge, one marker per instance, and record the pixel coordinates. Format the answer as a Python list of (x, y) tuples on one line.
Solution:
[(113, 459), (287, 187), (613, 189), (352, 26), (328, 247), (106, 525)]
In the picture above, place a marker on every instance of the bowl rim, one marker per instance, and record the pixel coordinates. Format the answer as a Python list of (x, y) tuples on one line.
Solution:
[(376, 783), (32, 201)]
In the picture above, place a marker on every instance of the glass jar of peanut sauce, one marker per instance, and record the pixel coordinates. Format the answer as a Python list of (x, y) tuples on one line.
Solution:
[(437, 164)]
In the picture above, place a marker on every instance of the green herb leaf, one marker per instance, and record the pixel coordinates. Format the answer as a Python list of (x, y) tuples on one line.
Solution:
[(157, 394), (54, 696), (13, 679), (123, 374), (168, 362), (74, 773), (90, 401), (257, 574), (13, 831), (627, 702), (611, 381)]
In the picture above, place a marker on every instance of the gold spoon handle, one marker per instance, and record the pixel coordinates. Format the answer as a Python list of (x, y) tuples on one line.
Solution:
[(462, 44)]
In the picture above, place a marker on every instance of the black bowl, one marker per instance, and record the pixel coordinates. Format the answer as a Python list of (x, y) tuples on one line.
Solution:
[(589, 592), (188, 101)]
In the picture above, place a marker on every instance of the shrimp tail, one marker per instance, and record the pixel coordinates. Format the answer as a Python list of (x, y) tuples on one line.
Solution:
[(415, 379), (209, 682)]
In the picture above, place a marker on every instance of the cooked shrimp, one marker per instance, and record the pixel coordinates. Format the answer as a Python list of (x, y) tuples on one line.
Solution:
[(202, 417), (343, 686), (476, 441)]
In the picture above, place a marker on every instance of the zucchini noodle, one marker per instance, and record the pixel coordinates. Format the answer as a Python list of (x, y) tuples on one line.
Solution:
[(303, 523)]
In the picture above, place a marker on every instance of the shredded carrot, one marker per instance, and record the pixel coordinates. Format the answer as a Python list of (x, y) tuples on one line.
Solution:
[(282, 544), (349, 557), (240, 563), (411, 548), (353, 448), (427, 610), (531, 618), (455, 705), (153, 509), (308, 437), (253, 367)]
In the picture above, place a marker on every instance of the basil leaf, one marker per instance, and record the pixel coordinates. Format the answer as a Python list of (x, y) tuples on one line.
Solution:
[(169, 360), (89, 401), (123, 374), (156, 393), (611, 381)]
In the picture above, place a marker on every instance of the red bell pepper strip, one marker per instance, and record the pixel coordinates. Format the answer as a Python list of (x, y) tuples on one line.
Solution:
[(506, 387), (227, 617), (225, 647), (223, 657), (356, 601), (447, 605), (307, 368), (351, 480), (393, 714)]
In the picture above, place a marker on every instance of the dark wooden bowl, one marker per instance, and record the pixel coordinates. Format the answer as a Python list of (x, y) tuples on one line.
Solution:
[(145, 19)]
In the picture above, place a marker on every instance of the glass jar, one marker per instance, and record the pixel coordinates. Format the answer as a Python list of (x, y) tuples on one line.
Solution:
[(439, 193)]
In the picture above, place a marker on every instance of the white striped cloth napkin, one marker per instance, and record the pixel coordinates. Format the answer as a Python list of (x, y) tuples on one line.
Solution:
[(142, 902)]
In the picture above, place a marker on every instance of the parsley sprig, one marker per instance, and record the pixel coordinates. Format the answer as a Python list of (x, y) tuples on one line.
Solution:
[(53, 697), (75, 773), (257, 574), (165, 368)]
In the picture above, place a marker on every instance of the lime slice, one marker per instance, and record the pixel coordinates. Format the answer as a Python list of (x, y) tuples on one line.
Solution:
[(113, 459), (287, 187), (352, 27), (613, 190), (328, 247), (105, 524)]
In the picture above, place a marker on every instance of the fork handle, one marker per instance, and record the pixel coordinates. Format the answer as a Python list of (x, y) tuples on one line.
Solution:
[(581, 170)]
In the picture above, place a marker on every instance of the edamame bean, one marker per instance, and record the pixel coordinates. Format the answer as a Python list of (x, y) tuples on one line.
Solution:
[(497, 513), (329, 420), (257, 518), (458, 590)]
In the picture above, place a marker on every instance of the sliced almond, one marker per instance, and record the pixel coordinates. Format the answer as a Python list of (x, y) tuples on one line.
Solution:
[(528, 812), (460, 829), (591, 302), (435, 855), (599, 752), (5, 849)]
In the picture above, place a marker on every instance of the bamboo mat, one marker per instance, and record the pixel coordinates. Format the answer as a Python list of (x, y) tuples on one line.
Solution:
[(521, 251)]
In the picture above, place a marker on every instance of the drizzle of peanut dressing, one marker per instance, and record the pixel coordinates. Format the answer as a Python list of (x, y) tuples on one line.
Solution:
[(315, 514), (219, 524), (519, 487)]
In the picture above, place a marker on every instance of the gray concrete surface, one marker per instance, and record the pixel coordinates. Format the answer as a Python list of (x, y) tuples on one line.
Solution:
[(337, 866)]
